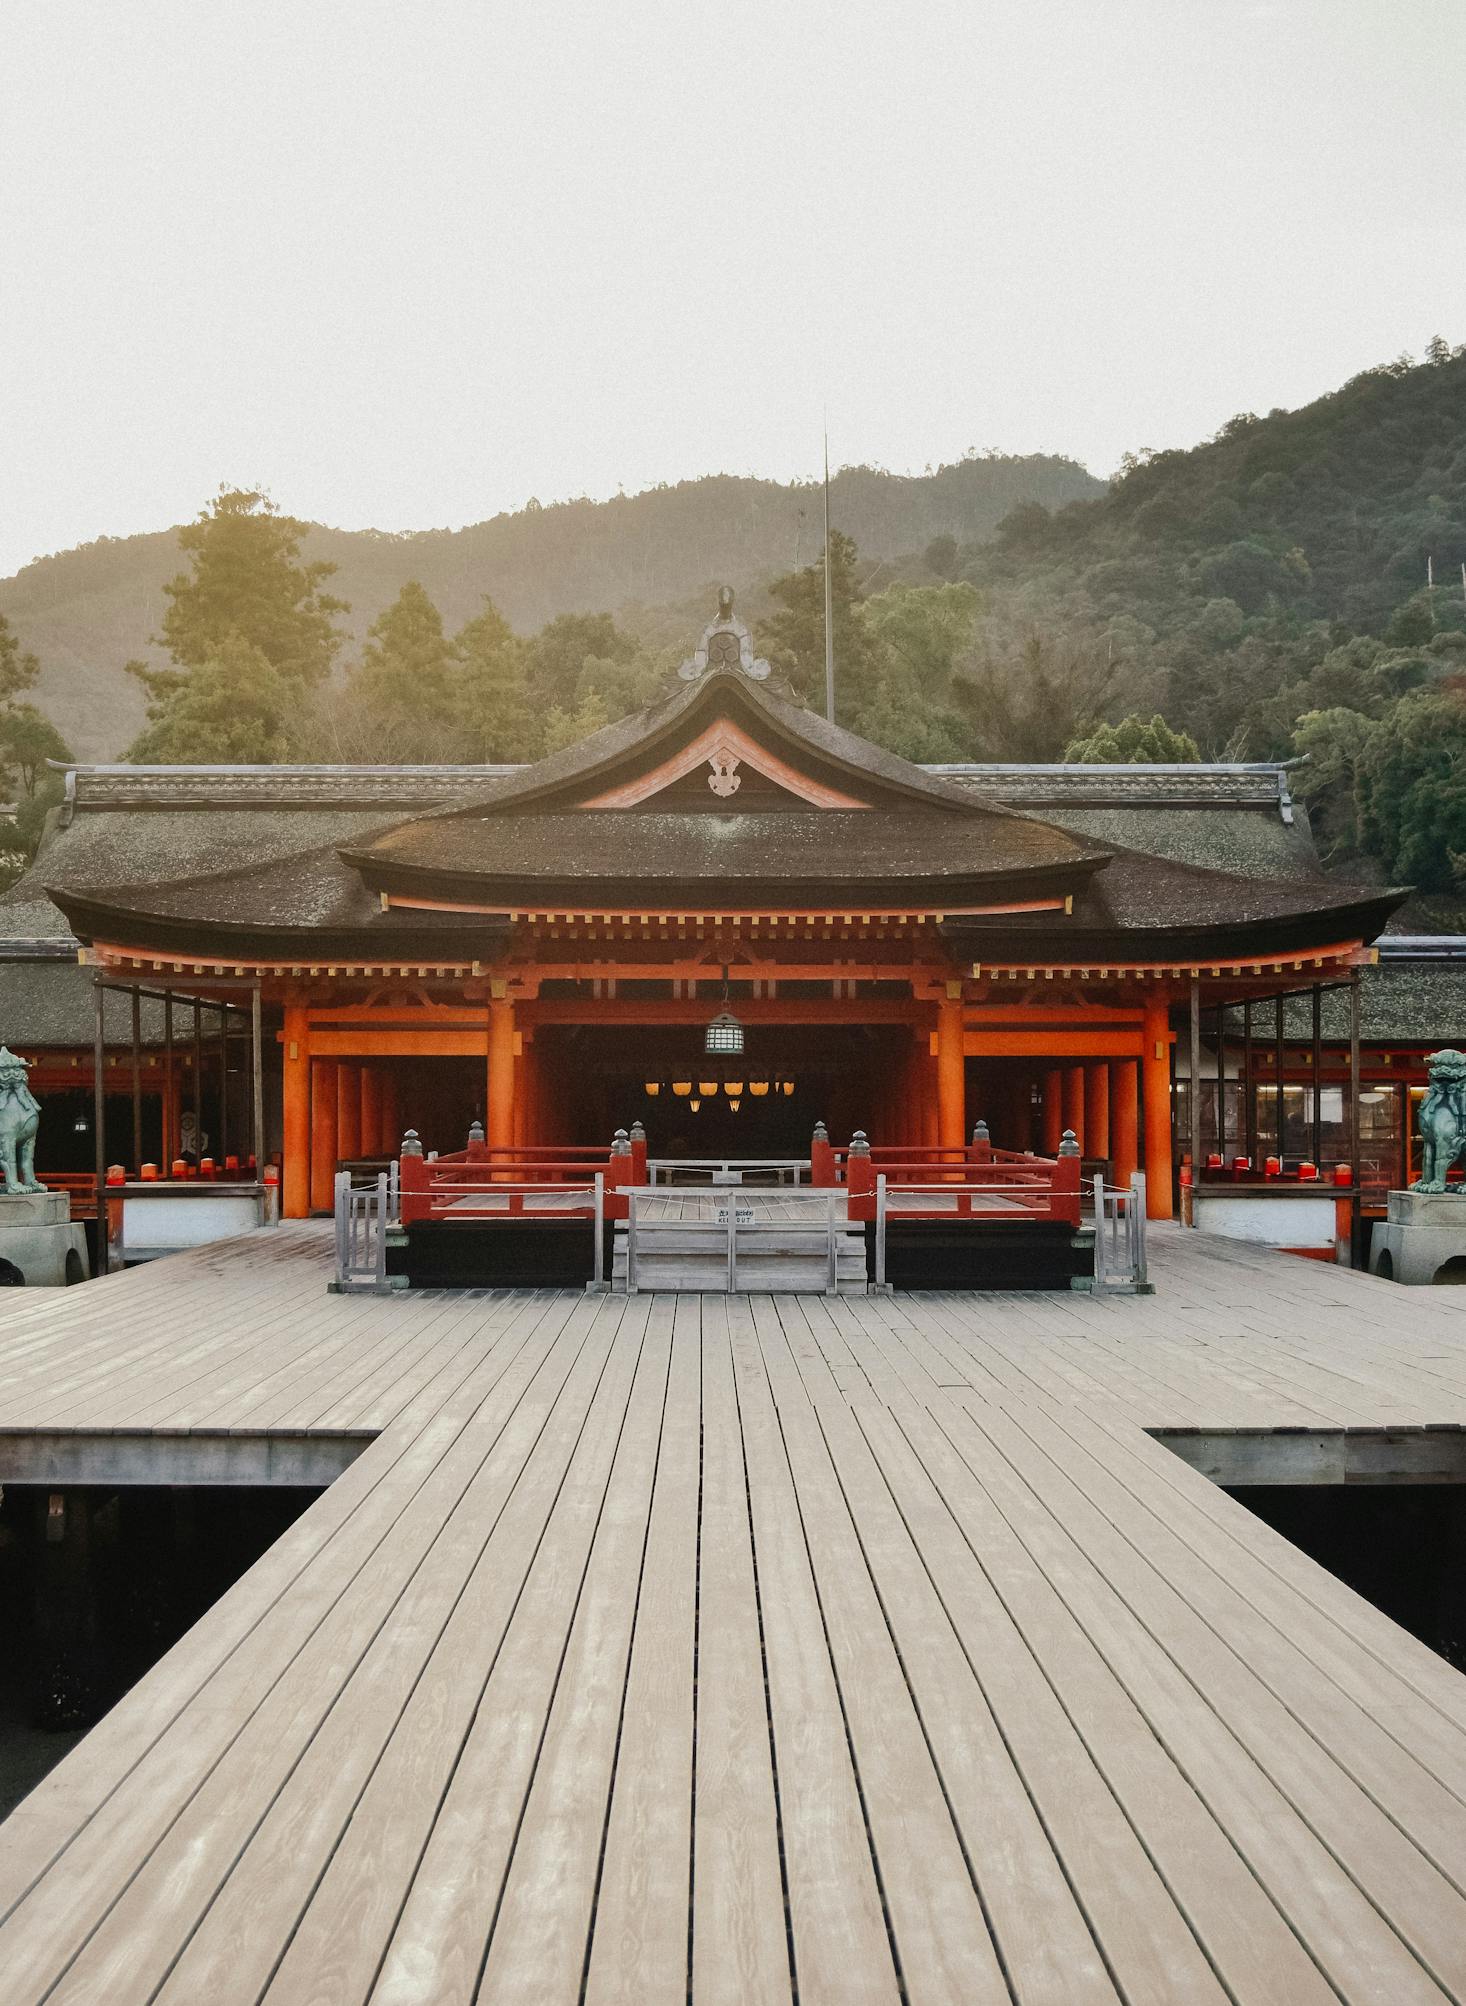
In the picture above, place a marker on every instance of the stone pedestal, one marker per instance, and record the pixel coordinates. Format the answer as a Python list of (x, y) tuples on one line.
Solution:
[(1423, 1238), (39, 1246)]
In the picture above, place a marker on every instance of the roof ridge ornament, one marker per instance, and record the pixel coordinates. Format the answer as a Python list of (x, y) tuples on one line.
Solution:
[(725, 644)]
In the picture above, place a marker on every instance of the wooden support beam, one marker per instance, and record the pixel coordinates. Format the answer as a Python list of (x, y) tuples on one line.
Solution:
[(296, 1098), (1124, 1120), (1053, 1109), (323, 1134), (1074, 1103), (1156, 1075), (373, 1142), (499, 1128), (1097, 1111), (951, 1075), (348, 1110)]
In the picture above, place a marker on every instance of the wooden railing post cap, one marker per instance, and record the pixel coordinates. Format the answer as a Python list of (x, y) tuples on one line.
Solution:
[(980, 1132), (638, 1131), (620, 1143), (411, 1144), (476, 1131), (821, 1133), (859, 1146), (1069, 1146)]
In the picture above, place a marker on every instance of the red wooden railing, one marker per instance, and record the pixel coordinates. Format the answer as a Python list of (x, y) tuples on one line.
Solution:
[(964, 1181), (515, 1181)]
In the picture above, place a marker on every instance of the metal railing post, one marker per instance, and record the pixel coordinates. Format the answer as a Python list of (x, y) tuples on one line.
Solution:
[(880, 1229), (732, 1247), (340, 1217), (380, 1226), (1137, 1214), (831, 1251), (631, 1242), (598, 1267), (1100, 1224)]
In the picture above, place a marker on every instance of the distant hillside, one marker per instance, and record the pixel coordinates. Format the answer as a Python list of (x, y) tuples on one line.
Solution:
[(87, 611), (1330, 512)]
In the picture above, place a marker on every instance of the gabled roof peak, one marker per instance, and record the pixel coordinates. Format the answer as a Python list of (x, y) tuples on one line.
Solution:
[(725, 644)]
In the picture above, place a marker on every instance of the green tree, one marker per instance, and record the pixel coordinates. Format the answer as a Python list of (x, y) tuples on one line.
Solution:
[(922, 632), (1330, 744), (1134, 741), (28, 740), (1411, 784), (496, 708), (234, 709), (406, 683), (247, 601), (940, 556), (891, 719), (247, 578), (18, 671), (560, 650), (568, 727), (1028, 704), (794, 637)]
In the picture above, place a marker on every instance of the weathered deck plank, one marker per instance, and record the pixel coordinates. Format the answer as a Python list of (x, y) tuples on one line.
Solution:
[(713, 1644)]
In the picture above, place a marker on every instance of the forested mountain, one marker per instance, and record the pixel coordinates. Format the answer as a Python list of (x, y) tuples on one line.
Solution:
[(86, 612), (1221, 578), (1293, 587)]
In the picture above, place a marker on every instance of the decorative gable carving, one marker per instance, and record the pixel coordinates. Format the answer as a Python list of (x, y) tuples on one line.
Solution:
[(725, 644), (724, 747)]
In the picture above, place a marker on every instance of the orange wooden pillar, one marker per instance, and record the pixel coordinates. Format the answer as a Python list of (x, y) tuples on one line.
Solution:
[(391, 1115), (373, 1143), (911, 1095), (348, 1110), (1097, 1110), (1124, 1120), (1053, 1110), (296, 1053), (951, 1072), (1155, 1066), (526, 1092), (323, 1134), (523, 1091), (499, 1128), (1074, 1103)]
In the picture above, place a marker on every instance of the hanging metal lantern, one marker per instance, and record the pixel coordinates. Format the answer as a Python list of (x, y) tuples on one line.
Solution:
[(724, 1034)]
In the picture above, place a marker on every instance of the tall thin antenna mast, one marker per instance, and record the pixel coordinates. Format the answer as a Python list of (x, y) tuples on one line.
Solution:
[(829, 598)]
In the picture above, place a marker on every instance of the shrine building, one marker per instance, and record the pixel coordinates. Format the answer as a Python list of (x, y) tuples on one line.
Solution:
[(311, 958)]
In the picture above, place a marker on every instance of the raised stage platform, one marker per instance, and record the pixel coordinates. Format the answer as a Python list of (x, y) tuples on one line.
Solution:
[(669, 1645)]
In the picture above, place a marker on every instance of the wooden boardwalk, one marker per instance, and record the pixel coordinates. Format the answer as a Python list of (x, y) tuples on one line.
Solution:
[(749, 1649)]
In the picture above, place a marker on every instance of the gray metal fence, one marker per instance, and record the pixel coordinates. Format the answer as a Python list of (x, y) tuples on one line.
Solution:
[(363, 1214), (1119, 1238), (742, 1231)]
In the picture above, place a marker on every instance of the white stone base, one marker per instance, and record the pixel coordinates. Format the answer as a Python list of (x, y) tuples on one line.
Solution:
[(36, 1238), (1424, 1233)]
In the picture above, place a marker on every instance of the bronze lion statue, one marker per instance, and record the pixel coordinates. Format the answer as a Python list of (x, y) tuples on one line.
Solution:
[(1442, 1121), (20, 1116)]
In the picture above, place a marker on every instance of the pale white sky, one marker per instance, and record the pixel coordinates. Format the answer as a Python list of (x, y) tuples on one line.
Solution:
[(409, 264)]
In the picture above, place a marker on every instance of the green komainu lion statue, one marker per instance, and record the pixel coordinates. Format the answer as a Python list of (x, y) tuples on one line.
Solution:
[(1442, 1121), (20, 1117)]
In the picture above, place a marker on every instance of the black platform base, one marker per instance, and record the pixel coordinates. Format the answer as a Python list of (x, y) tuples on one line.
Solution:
[(985, 1254), (467, 1254)]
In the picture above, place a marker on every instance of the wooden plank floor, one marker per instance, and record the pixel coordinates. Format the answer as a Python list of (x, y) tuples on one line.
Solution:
[(752, 1649)]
